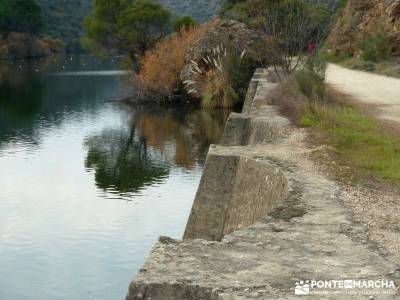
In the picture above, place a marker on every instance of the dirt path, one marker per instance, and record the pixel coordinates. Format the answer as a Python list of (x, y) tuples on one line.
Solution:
[(379, 90)]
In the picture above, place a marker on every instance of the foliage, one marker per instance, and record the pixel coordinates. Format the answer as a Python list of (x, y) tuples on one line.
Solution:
[(375, 45), (227, 75), (54, 45), (365, 30), (160, 67), (240, 68), (287, 29), (23, 45), (311, 79), (184, 22), (218, 91), (119, 25), (63, 19), (101, 28), (20, 16), (143, 23)]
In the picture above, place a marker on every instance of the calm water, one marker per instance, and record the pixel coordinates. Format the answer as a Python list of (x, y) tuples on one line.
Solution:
[(87, 185)]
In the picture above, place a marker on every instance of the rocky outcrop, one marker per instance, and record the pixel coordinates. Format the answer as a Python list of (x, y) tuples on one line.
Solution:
[(217, 38), (363, 17)]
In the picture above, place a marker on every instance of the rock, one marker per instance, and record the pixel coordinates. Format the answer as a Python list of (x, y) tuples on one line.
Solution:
[(166, 240), (365, 16)]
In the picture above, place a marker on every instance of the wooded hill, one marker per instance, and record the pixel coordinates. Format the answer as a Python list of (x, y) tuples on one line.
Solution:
[(200, 10), (63, 18)]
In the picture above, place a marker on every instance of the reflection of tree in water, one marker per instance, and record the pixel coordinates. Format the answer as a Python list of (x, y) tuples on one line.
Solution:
[(191, 132), (127, 160), (19, 97), (121, 162), (20, 102)]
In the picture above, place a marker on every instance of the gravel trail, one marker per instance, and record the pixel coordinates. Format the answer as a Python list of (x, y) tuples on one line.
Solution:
[(381, 91)]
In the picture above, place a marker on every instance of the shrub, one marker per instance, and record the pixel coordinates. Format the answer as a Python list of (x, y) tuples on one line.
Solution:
[(183, 23), (311, 79), (240, 67), (228, 71), (54, 45), (375, 46), (160, 67), (285, 28), (218, 91)]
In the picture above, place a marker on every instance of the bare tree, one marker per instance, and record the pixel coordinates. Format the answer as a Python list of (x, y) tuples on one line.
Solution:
[(289, 31)]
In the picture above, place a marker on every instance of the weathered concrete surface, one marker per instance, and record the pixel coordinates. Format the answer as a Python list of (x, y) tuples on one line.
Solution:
[(235, 192), (245, 129), (310, 236)]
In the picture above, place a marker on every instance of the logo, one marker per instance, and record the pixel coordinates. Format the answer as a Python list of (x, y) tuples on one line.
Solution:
[(302, 288), (347, 287)]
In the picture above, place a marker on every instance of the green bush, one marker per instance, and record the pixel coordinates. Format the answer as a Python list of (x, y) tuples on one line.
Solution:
[(375, 46), (240, 67), (311, 79)]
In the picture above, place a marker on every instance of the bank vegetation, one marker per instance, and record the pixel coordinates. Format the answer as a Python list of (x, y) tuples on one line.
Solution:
[(207, 64), (21, 24)]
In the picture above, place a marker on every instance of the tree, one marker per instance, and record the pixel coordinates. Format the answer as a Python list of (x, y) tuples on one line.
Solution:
[(20, 16), (125, 26), (288, 29), (143, 24), (101, 28)]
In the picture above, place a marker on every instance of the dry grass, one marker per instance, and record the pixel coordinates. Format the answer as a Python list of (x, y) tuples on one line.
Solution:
[(218, 91), (160, 68)]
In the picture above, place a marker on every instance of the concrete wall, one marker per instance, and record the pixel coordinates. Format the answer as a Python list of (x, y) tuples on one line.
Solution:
[(234, 193)]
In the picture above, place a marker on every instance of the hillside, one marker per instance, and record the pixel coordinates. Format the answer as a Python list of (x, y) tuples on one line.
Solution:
[(64, 19), (201, 10), (360, 18)]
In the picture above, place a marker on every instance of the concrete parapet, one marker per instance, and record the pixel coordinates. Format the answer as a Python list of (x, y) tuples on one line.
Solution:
[(235, 192), (245, 129)]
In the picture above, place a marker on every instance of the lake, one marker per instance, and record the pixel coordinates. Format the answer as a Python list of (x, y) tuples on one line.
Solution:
[(87, 184)]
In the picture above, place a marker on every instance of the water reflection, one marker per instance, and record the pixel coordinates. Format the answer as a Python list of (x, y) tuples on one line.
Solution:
[(190, 130), (66, 153), (121, 162), (127, 159), (20, 102), (35, 96)]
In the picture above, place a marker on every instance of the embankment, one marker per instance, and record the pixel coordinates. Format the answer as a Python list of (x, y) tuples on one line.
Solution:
[(263, 219)]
